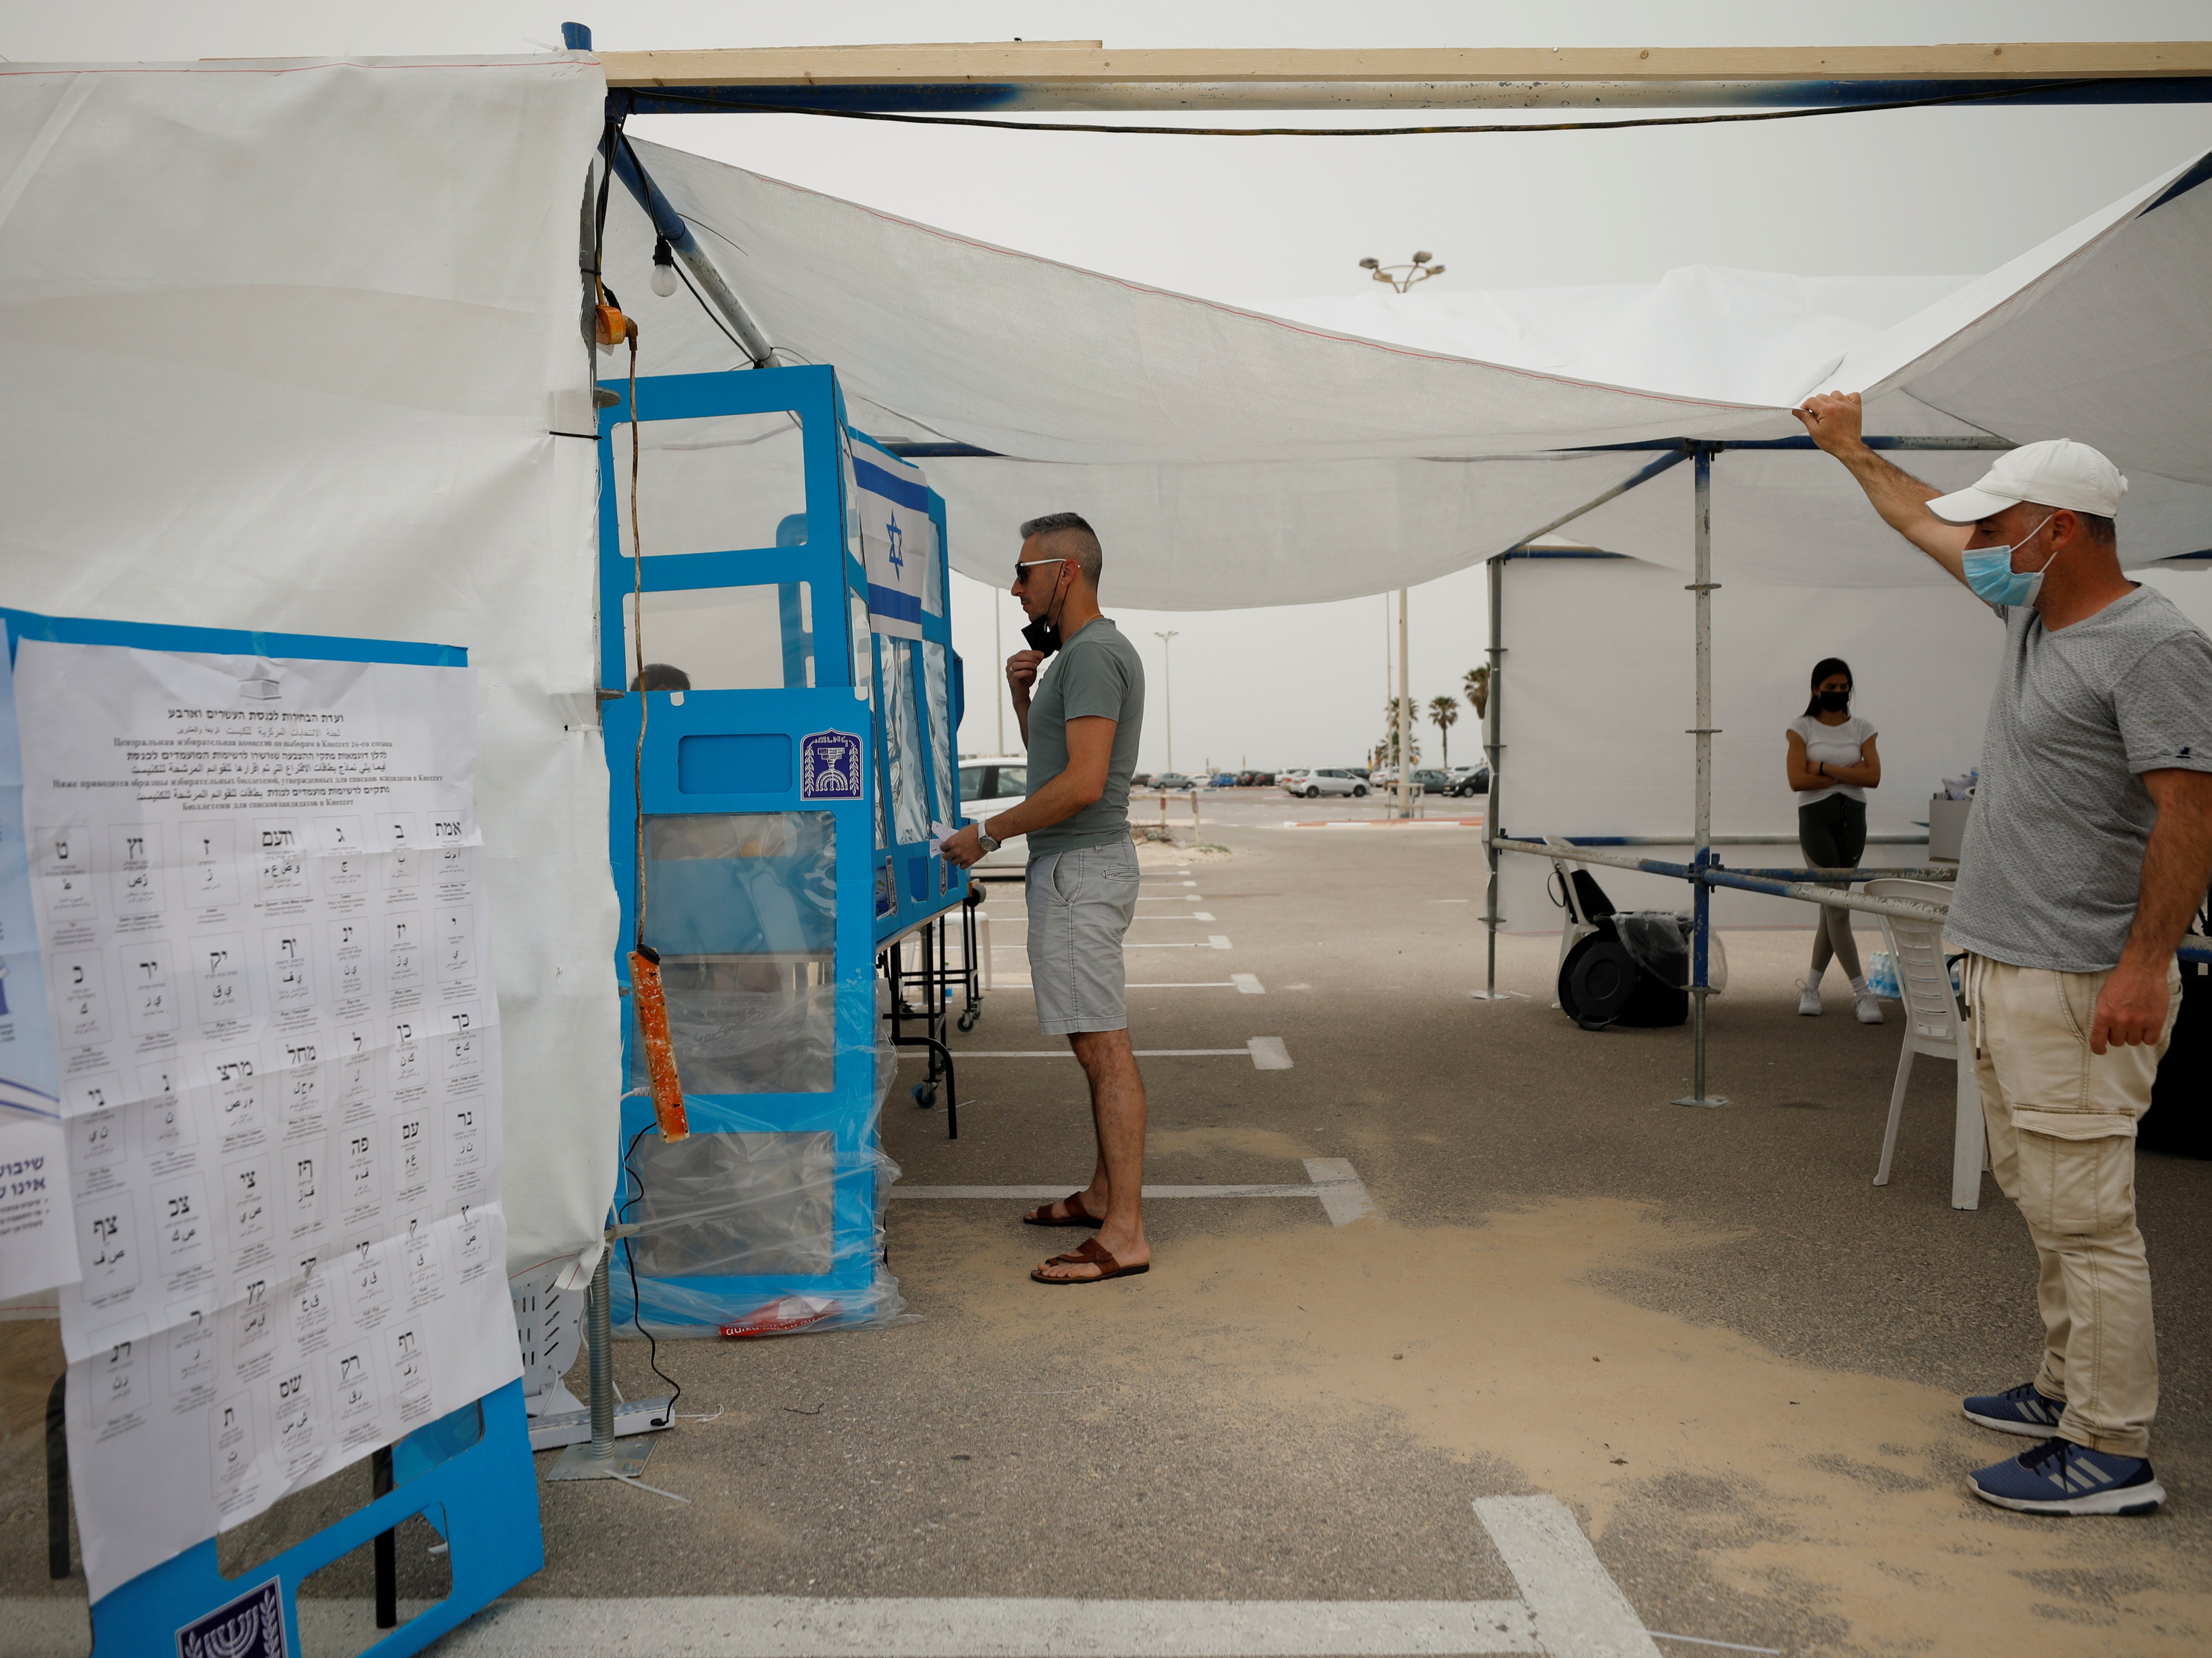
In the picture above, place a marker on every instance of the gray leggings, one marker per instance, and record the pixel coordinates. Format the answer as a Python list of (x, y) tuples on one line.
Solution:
[(1831, 833)]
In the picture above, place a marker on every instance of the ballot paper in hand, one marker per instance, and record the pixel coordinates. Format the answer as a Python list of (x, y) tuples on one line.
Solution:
[(939, 833)]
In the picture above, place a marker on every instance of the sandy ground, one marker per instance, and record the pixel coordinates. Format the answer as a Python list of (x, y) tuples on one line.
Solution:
[(1706, 1332)]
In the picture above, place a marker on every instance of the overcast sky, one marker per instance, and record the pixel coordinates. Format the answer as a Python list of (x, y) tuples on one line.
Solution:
[(1923, 192)]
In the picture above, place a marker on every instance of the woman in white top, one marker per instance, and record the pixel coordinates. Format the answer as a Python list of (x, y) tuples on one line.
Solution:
[(1832, 763)]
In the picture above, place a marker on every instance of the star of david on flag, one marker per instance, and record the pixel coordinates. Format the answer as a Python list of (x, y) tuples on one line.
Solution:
[(898, 539)]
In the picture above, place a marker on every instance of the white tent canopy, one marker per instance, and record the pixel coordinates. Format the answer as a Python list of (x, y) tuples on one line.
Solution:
[(280, 342), (1230, 458)]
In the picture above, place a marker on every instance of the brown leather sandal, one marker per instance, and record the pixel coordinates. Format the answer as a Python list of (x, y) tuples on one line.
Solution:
[(1091, 1253), (1076, 1215)]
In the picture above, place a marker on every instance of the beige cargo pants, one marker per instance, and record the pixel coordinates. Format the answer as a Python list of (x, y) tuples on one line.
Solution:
[(2062, 1124)]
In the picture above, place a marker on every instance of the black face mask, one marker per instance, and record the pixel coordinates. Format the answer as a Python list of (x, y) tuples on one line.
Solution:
[(1835, 702), (1043, 634)]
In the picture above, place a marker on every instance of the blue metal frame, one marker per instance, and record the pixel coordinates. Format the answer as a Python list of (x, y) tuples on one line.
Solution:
[(468, 1473), (478, 1491), (654, 784)]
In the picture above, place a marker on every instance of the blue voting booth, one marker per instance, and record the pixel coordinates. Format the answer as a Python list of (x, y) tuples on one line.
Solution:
[(781, 698)]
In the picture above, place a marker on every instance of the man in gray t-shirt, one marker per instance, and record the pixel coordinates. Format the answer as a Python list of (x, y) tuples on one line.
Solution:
[(2088, 852), (1081, 714)]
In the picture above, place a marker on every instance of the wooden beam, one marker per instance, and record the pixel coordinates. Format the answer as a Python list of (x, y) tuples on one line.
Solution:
[(1072, 65)]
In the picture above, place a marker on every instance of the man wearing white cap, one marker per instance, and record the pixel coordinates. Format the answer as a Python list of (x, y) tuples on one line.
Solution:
[(2088, 850)]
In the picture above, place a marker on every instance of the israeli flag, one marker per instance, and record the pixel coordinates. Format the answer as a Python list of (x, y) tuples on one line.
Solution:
[(898, 540)]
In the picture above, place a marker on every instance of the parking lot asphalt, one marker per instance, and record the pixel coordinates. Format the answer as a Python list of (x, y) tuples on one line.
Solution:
[(1705, 1331)]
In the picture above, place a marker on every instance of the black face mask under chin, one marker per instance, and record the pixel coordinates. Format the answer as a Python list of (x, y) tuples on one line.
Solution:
[(1042, 635), (1835, 702)]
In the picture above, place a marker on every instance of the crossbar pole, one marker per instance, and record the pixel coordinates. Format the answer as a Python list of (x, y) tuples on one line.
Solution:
[(668, 222), (1494, 751)]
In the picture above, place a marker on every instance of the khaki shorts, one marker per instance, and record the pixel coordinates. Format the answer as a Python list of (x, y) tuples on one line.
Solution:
[(1080, 904)]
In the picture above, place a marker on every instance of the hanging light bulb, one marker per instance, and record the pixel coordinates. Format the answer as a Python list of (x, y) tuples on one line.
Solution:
[(663, 268)]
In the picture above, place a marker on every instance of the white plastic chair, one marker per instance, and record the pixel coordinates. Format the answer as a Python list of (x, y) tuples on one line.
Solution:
[(1933, 1026)]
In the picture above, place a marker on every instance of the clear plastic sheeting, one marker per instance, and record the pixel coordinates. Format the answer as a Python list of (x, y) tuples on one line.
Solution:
[(772, 1038), (715, 483), (752, 1230), (728, 639), (1658, 942), (731, 1204), (937, 681), (902, 743), (742, 907)]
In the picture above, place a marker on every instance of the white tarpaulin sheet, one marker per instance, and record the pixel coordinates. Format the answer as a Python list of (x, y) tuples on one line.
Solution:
[(281, 342), (1599, 693), (1231, 458)]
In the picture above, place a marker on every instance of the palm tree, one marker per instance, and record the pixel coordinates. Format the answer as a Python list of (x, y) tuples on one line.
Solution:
[(1476, 688), (1444, 713), (1389, 746)]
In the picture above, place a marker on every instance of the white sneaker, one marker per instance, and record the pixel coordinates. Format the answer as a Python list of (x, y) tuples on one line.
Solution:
[(1808, 998), (1869, 1008)]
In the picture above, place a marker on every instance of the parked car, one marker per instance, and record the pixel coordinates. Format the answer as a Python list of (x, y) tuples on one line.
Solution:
[(1255, 779), (1172, 779), (1467, 781), (991, 784), (1222, 779), (1324, 780), (1142, 779)]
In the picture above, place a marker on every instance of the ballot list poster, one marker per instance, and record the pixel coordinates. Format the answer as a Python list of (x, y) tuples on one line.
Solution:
[(261, 909), (37, 1245)]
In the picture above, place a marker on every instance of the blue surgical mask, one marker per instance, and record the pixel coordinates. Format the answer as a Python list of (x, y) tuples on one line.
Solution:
[(1991, 574)]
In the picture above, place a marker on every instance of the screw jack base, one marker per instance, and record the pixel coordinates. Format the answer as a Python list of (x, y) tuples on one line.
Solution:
[(1691, 1099), (627, 1463)]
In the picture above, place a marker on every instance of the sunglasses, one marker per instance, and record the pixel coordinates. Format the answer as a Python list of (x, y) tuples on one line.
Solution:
[(1023, 566)]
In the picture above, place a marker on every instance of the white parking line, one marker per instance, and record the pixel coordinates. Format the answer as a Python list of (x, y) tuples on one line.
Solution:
[(1577, 1607), (1195, 984), (1265, 1053), (1249, 983), (1195, 916), (1216, 941), (1343, 1195), (789, 1626), (1569, 1607)]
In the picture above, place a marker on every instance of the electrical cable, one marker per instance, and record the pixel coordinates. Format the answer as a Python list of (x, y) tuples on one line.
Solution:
[(744, 106), (629, 1259)]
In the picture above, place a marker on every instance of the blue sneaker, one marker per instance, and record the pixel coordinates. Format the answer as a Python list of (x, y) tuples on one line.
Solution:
[(2059, 1477), (2025, 1410)]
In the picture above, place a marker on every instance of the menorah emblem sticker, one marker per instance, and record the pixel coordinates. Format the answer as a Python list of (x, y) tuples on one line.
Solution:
[(829, 766), (252, 1626)]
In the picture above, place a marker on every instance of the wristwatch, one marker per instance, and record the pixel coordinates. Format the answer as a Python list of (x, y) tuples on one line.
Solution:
[(989, 842)]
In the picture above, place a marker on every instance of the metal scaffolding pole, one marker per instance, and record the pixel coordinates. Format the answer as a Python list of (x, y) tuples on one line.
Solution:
[(1494, 752), (1700, 990)]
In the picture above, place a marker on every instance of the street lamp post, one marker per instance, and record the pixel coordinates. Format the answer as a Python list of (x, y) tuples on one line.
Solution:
[(1167, 691), (1405, 719)]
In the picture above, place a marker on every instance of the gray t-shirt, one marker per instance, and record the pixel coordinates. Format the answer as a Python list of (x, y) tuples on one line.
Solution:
[(1096, 674), (2054, 848)]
